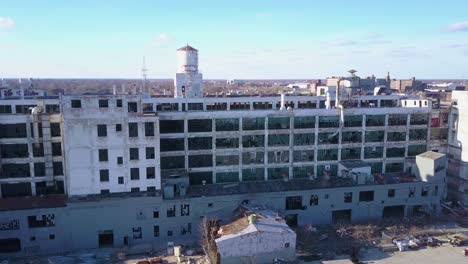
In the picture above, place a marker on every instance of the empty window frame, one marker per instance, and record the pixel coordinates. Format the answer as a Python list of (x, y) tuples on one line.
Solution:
[(133, 152), (102, 130), (149, 129), (103, 155), (133, 129)]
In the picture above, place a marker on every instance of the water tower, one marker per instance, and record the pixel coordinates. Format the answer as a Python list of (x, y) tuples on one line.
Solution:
[(188, 82)]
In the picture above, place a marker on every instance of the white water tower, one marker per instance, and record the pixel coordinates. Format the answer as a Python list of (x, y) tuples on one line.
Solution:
[(188, 82)]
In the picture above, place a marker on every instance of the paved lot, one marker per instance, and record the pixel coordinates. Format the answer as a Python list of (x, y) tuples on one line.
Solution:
[(443, 254)]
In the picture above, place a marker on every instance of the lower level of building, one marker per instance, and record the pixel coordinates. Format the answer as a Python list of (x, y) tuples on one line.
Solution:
[(121, 222)]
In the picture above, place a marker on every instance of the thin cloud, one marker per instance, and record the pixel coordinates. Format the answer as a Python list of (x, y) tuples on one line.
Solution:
[(460, 26), (6, 22), (455, 46), (164, 37), (343, 42)]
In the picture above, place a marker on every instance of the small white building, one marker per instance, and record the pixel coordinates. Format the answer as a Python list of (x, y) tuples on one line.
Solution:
[(259, 235)]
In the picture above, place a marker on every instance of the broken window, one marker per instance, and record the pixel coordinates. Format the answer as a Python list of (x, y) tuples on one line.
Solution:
[(156, 231), (351, 137), (304, 172), (366, 196), (416, 150), (262, 105), (134, 154), (199, 178), (185, 209), (53, 109), (223, 177), (103, 175), (239, 106), (419, 119), (39, 169), (11, 151), (134, 173), (13, 131), (200, 125), (353, 121), (253, 157), (197, 143), (327, 154), (328, 121), (172, 162), (418, 134), (278, 173), (199, 161), (103, 155), (395, 152), (56, 149), (306, 105), (24, 109), (303, 155), (328, 138), (149, 152), (227, 124), (253, 123), (38, 150), (227, 143), (294, 203), (304, 122), (118, 127), (105, 191), (254, 141), (304, 139), (15, 170), (424, 191), (171, 211), (281, 156), (314, 200), (133, 129), (57, 168), (102, 130), (37, 221), (396, 136), (132, 107), (375, 136), (348, 197), (155, 213), (375, 120), (150, 173), (167, 107), (412, 191), (253, 174), (195, 106), (103, 103), (226, 160), (135, 190), (5, 109), (397, 119), (151, 189), (350, 153), (149, 129), (373, 152), (376, 167), (55, 129), (394, 167), (76, 103), (171, 144), (391, 193), (171, 126), (119, 160), (137, 234), (118, 102), (120, 180), (278, 123), (278, 140)]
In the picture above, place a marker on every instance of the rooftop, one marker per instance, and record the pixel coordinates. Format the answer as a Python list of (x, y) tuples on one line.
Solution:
[(431, 155), (187, 48), (265, 220)]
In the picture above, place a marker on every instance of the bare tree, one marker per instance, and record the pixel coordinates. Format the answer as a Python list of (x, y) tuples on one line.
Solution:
[(209, 229)]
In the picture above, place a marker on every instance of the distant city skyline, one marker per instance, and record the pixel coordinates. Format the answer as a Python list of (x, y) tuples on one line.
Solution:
[(240, 40)]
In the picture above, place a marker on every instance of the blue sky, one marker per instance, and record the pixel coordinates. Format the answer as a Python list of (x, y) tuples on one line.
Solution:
[(236, 39)]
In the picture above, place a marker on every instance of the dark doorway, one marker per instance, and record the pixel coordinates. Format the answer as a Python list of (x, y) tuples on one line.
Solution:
[(10, 245), (291, 220), (396, 211), (106, 238), (341, 216)]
